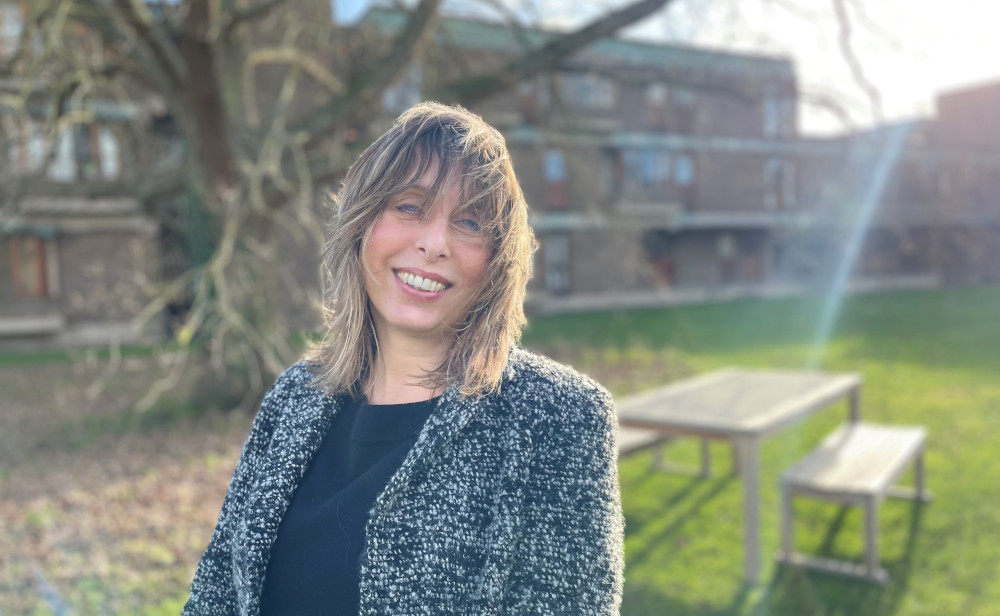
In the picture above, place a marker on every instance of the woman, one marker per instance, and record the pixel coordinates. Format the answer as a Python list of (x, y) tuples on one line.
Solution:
[(419, 462)]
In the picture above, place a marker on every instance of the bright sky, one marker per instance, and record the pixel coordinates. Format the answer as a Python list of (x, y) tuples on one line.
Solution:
[(908, 49)]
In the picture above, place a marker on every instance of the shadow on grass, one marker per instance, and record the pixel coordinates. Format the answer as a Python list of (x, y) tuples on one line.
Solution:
[(791, 591), (670, 530)]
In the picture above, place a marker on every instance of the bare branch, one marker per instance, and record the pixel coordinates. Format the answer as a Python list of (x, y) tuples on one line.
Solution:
[(472, 89), (283, 55), (407, 45), (873, 27), (158, 41), (857, 71), (252, 13)]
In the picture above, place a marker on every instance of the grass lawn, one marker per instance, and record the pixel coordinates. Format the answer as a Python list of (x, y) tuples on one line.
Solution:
[(928, 357), (109, 512)]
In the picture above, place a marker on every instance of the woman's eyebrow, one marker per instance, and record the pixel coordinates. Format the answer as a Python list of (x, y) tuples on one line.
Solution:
[(413, 191)]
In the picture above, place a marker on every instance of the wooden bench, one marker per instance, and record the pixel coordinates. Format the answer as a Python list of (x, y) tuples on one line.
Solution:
[(634, 440), (856, 465)]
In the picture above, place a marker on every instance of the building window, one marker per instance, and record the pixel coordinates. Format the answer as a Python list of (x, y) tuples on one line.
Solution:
[(727, 249), (779, 183), (684, 174), (554, 170), (28, 266), (405, 93), (63, 167), (778, 114), (556, 253), (772, 116), (647, 171), (555, 166), (684, 109), (656, 94), (82, 152), (96, 153), (527, 100), (26, 151), (684, 97), (587, 90)]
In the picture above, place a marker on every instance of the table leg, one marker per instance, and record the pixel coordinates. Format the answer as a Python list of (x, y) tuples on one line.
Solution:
[(748, 449)]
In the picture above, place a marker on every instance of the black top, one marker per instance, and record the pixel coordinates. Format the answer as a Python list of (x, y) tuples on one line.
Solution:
[(315, 559)]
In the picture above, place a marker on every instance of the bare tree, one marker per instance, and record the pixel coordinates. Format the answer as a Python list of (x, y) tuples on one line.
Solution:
[(270, 101)]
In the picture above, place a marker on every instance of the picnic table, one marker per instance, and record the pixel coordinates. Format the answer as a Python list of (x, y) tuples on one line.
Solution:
[(743, 407)]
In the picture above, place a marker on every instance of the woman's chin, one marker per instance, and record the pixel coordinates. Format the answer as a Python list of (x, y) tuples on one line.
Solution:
[(423, 326)]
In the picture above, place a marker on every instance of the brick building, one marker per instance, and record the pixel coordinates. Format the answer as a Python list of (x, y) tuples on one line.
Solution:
[(71, 268), (650, 169), (669, 173)]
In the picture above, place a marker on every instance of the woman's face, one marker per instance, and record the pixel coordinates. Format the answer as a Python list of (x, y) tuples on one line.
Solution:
[(423, 269)]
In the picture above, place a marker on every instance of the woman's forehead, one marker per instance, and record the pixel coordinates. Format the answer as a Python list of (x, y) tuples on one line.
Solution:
[(435, 181)]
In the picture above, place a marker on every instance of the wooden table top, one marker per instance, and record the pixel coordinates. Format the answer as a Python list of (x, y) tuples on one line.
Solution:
[(735, 401)]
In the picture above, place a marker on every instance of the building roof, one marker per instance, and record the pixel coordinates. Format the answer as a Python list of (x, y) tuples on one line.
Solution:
[(491, 36)]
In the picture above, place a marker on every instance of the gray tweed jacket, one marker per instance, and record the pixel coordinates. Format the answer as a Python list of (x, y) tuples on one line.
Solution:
[(507, 503)]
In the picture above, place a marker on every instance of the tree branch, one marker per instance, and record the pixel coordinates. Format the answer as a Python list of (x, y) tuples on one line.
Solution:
[(473, 89), (857, 70), (347, 107), (258, 11), (163, 49)]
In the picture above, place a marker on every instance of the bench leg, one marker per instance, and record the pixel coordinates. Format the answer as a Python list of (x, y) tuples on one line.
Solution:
[(871, 536), (921, 486), (854, 402), (704, 469), (787, 523), (706, 459)]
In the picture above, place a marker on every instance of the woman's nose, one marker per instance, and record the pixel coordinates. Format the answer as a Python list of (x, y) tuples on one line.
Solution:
[(433, 239)]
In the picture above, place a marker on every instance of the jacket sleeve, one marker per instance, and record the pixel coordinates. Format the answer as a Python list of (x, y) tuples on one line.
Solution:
[(213, 590), (570, 557)]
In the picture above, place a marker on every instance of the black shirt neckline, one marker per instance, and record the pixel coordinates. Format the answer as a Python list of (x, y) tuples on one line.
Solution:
[(381, 423)]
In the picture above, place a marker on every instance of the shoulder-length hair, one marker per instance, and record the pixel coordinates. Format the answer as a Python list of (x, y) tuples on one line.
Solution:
[(458, 144)]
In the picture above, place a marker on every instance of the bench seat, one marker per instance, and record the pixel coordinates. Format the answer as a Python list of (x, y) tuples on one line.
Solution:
[(632, 440)]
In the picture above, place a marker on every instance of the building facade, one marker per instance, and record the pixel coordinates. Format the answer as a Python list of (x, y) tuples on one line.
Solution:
[(659, 173), (654, 173), (72, 269)]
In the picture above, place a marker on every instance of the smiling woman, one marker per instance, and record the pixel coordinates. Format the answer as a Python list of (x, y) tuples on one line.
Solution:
[(418, 461)]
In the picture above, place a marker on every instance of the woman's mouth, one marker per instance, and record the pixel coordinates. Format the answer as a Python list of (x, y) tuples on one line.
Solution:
[(420, 283)]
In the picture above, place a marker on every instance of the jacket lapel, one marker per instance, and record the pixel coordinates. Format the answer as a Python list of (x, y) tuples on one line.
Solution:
[(449, 417), (304, 422)]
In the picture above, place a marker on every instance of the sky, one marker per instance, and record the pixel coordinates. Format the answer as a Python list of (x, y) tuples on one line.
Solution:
[(908, 50)]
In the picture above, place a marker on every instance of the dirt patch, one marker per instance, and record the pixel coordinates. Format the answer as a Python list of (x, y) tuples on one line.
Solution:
[(102, 511)]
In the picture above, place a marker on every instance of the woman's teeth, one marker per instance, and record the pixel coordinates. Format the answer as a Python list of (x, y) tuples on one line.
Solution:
[(418, 282)]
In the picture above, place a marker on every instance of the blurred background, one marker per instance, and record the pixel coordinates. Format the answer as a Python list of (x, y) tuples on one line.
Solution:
[(805, 184)]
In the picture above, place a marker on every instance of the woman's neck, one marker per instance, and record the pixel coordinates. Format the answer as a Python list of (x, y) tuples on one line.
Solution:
[(400, 367)]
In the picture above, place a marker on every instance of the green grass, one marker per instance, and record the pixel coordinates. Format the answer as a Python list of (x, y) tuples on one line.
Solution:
[(928, 357)]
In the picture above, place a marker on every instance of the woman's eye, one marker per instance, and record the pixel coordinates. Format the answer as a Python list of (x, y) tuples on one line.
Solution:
[(407, 209), (469, 224)]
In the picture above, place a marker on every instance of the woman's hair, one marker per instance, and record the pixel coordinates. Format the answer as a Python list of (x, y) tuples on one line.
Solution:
[(456, 144)]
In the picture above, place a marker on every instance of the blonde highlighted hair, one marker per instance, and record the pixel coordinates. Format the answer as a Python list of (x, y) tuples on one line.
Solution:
[(456, 143)]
